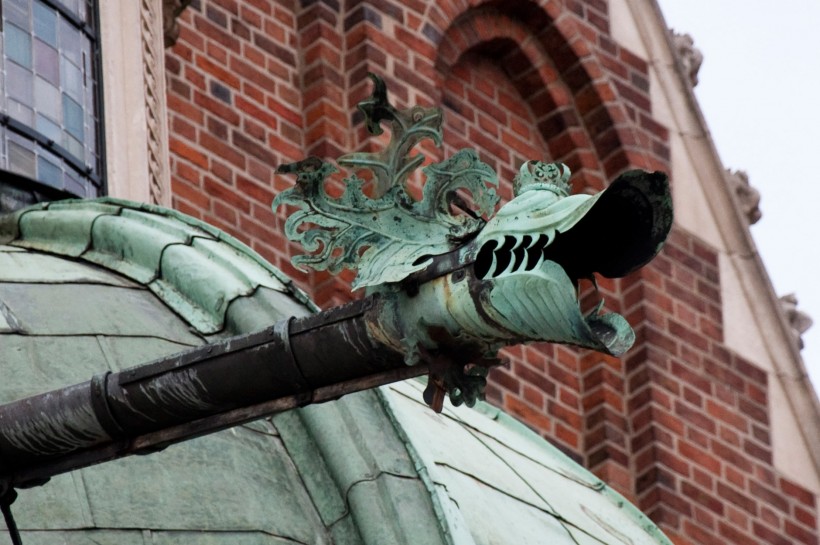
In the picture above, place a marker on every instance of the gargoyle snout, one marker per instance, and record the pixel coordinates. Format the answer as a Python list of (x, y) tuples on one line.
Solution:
[(611, 233)]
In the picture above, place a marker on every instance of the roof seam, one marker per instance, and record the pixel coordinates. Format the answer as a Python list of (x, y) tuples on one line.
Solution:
[(118, 336), (221, 236), (368, 479), (503, 419), (90, 244), (227, 304), (288, 442), (420, 467), (171, 530), (96, 241)]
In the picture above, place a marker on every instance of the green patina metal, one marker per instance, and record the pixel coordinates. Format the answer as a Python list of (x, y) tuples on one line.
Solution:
[(455, 286), (95, 286), (202, 273), (70, 318), (512, 475), (362, 470), (390, 235)]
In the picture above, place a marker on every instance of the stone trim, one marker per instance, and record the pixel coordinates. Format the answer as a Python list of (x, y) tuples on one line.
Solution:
[(153, 24), (747, 196), (799, 321), (133, 79), (690, 56)]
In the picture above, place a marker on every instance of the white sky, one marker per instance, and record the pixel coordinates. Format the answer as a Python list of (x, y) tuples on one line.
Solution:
[(759, 90)]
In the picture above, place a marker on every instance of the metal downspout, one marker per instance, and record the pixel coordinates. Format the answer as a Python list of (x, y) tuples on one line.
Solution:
[(146, 408)]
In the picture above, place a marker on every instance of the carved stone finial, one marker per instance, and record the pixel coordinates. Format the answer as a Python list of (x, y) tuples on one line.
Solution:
[(799, 321), (170, 11), (748, 196), (690, 56)]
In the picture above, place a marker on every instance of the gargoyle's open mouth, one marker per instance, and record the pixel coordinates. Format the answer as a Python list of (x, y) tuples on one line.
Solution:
[(510, 254), (519, 253), (612, 233), (533, 253)]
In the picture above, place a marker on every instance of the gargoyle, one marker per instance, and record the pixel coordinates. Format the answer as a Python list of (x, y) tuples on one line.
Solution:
[(456, 281)]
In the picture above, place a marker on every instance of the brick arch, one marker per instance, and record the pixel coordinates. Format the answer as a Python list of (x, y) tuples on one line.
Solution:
[(484, 110), (553, 112), (584, 119), (556, 66)]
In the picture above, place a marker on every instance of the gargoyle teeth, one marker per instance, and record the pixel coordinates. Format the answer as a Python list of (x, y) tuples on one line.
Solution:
[(535, 252), (512, 253), (520, 252), (504, 255)]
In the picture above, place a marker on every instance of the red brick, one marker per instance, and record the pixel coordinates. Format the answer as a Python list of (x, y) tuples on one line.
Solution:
[(797, 492), (185, 108), (753, 410), (681, 407), (219, 72), (805, 517), (565, 414), (213, 32), (769, 496), (193, 195), (770, 536), (185, 208), (185, 151), (731, 533), (504, 379), (702, 497), (216, 107), (755, 450), (737, 498), (567, 435), (541, 381), (728, 415), (699, 456), (527, 414), (220, 149), (803, 535)]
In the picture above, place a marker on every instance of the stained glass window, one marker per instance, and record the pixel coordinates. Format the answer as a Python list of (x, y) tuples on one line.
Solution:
[(49, 119)]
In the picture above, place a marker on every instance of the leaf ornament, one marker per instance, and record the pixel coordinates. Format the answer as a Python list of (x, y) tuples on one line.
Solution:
[(390, 235)]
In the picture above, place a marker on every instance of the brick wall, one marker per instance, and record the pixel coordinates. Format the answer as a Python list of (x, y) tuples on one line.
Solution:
[(701, 438), (235, 112), (681, 425)]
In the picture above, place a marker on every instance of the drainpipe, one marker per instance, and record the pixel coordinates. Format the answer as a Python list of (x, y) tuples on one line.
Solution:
[(445, 291), (507, 285), (140, 410)]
